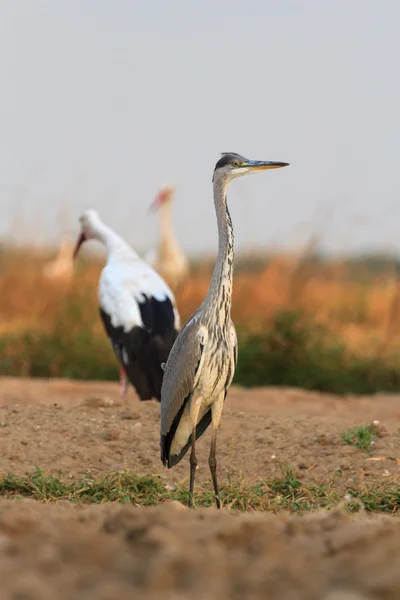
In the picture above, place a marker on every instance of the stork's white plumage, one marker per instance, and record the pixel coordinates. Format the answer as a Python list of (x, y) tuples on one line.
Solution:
[(168, 259), (61, 268), (137, 308)]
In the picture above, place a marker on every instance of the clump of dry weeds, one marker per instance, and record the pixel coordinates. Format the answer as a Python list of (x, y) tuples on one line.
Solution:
[(357, 308)]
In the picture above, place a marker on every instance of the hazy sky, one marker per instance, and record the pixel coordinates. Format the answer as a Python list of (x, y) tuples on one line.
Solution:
[(102, 101)]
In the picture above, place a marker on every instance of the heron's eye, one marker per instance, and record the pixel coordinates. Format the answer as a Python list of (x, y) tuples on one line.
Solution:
[(235, 163)]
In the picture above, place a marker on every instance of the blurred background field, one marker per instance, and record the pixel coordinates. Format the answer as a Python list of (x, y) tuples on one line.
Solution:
[(151, 93), (302, 320)]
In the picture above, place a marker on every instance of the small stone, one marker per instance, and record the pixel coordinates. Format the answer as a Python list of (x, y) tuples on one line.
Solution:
[(99, 401), (176, 505), (379, 430), (110, 435), (3, 541), (344, 595), (128, 415), (325, 440)]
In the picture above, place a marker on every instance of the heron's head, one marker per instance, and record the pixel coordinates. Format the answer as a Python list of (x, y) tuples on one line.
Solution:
[(163, 196), (90, 223), (232, 165)]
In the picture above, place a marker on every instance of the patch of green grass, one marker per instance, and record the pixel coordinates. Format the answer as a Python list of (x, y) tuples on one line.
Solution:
[(281, 494), (114, 487), (361, 437)]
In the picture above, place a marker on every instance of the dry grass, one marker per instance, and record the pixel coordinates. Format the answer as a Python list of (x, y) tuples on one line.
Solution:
[(361, 308), (301, 322)]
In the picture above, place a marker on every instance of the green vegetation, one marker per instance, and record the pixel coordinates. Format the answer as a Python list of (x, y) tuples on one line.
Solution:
[(285, 493), (75, 346), (295, 351), (292, 350), (361, 437)]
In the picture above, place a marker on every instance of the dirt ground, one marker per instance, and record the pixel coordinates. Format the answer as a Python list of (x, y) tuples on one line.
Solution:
[(112, 551)]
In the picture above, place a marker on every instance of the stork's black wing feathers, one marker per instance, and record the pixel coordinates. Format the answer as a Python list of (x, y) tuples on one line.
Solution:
[(141, 350), (157, 315)]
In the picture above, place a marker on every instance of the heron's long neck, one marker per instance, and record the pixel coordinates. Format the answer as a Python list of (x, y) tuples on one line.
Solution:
[(219, 298)]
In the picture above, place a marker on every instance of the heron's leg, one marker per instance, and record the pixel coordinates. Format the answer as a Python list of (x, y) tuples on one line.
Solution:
[(194, 414), (212, 461), (123, 382), (193, 466), (216, 413)]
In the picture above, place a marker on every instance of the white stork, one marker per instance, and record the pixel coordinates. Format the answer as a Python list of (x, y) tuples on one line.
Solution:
[(62, 267), (168, 259), (137, 308)]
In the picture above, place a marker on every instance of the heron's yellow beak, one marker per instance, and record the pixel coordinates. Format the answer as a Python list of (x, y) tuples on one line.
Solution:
[(262, 165)]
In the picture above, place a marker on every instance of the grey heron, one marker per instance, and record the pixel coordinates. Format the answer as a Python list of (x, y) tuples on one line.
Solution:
[(168, 259), (137, 308), (202, 362)]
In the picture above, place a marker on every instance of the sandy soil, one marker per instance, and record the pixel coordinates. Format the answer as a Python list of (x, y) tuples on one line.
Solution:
[(111, 551)]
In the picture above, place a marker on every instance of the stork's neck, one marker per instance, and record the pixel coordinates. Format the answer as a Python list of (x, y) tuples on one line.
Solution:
[(218, 301), (166, 224), (116, 246)]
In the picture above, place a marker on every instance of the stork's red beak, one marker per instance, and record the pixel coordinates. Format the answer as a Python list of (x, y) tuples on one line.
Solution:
[(158, 200), (81, 239)]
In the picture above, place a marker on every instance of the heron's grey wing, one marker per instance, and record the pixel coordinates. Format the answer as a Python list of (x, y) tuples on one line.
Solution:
[(233, 356), (182, 371)]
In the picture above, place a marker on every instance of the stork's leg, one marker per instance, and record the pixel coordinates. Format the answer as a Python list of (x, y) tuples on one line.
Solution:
[(122, 382), (216, 412)]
